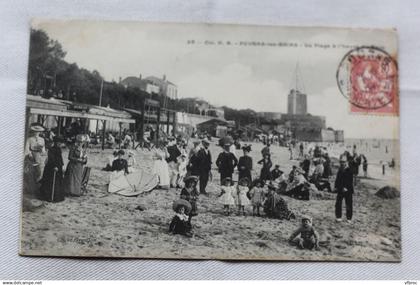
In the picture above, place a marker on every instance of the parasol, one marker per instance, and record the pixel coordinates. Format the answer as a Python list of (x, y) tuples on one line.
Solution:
[(133, 184)]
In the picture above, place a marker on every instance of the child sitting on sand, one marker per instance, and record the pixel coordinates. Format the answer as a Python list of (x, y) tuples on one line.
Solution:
[(226, 195), (180, 223), (257, 197), (241, 200), (308, 236)]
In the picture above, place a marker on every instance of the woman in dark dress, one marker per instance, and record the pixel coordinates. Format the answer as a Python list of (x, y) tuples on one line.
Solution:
[(74, 172), (245, 164), (120, 164), (52, 180), (266, 166)]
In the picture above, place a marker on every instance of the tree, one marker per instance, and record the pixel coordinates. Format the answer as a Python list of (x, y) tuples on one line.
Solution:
[(46, 59)]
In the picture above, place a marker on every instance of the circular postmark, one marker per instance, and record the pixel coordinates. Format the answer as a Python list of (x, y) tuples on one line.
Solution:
[(368, 77)]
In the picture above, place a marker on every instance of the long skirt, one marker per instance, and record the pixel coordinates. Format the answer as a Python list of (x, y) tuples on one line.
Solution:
[(245, 174), (30, 184), (160, 167), (73, 178), (38, 164), (50, 183)]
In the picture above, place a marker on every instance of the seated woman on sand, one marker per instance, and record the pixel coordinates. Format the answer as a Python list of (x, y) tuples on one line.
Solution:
[(119, 166), (275, 206), (298, 188)]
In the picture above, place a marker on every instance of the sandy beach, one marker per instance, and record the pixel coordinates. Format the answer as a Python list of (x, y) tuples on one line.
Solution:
[(100, 224)]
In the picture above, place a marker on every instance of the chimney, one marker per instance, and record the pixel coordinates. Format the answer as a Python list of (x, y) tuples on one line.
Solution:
[(119, 80), (140, 76), (164, 77)]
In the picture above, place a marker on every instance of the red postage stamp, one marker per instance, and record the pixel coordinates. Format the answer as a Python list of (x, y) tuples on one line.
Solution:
[(368, 78)]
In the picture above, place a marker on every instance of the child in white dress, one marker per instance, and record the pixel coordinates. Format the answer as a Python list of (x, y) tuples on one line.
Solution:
[(226, 195), (257, 195), (241, 199), (182, 170)]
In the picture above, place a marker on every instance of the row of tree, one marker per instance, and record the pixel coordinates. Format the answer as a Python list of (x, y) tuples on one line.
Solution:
[(49, 74)]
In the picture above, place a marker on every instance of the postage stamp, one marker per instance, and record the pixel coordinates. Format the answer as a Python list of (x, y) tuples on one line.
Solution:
[(368, 77)]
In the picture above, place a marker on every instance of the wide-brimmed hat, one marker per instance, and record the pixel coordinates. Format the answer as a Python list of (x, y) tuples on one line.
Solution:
[(37, 127), (121, 152), (226, 141), (190, 179), (181, 203), (205, 141)]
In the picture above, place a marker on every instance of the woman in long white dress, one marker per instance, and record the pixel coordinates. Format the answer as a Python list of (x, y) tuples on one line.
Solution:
[(160, 166)]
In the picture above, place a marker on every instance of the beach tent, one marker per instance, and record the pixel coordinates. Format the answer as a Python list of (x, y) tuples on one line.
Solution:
[(133, 184)]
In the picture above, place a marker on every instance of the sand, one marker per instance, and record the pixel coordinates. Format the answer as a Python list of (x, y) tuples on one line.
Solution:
[(101, 224)]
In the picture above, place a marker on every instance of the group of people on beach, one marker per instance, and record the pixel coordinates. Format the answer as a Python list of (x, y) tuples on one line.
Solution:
[(44, 175), (176, 166), (266, 191)]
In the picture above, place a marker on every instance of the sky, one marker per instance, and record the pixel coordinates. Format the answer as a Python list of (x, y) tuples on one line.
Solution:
[(234, 75)]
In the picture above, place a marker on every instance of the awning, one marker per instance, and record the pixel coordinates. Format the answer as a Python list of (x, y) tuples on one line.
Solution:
[(82, 115)]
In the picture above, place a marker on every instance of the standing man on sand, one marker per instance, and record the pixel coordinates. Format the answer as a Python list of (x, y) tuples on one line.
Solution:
[(344, 188), (204, 165)]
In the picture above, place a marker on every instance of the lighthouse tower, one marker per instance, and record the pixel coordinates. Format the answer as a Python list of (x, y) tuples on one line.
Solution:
[(296, 100)]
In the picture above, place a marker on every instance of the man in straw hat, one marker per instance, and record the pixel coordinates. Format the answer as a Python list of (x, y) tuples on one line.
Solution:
[(204, 165), (344, 188), (35, 150)]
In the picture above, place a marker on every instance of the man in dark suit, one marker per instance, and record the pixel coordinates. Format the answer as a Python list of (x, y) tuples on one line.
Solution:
[(204, 165), (344, 188)]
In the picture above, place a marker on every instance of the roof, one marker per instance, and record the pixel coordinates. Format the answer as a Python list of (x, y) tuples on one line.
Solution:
[(214, 120), (132, 81), (158, 81), (59, 107)]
